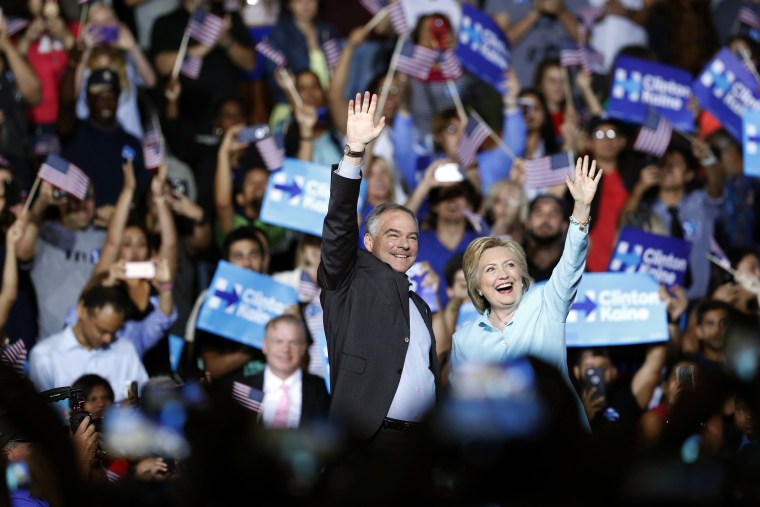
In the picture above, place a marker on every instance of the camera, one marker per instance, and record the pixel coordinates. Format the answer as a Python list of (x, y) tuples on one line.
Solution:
[(178, 186), (76, 413)]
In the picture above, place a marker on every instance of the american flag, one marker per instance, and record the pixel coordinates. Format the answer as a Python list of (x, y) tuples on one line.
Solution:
[(374, 6), (63, 174), (14, 356), (47, 143), (307, 289), (191, 66), (477, 221), (15, 25), (654, 136), (450, 66), (204, 27), (719, 254), (249, 397), (417, 61), (270, 151), (749, 17), (274, 55), (589, 15), (574, 55), (398, 18), (153, 152), (331, 49), (474, 135), (546, 171)]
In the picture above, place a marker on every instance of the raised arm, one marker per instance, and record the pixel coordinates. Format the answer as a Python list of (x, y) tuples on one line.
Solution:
[(10, 273), (110, 251), (168, 230), (223, 178), (562, 285), (340, 236)]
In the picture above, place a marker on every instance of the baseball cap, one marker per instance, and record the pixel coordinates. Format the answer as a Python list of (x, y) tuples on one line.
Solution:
[(103, 80)]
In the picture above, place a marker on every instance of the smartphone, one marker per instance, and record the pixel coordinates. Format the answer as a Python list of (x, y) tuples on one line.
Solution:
[(178, 186), (130, 388), (685, 376), (439, 30), (449, 173), (105, 34), (594, 379), (146, 270), (253, 133)]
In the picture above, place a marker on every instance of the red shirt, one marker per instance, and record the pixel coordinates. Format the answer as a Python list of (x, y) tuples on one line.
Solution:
[(603, 232)]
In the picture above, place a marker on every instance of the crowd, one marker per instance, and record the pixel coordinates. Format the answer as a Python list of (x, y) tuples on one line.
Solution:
[(420, 401)]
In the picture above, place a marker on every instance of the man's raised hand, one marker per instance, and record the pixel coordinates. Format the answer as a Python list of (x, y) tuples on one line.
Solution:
[(361, 128)]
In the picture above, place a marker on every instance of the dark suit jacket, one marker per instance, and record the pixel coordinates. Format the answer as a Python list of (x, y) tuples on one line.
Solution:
[(315, 402), (366, 317)]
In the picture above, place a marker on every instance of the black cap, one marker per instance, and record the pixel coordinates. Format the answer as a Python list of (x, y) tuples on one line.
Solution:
[(103, 80)]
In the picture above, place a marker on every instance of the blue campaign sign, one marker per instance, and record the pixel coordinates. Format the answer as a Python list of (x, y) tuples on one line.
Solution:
[(640, 85), (751, 143), (663, 257), (313, 315), (616, 309), (467, 314), (727, 89), (417, 274), (240, 302), (176, 344), (482, 47), (297, 197)]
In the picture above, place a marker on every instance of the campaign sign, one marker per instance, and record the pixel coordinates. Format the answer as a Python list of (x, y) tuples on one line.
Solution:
[(176, 344), (467, 314), (751, 143), (417, 274), (482, 47), (727, 89), (240, 302), (663, 257), (639, 85), (616, 309), (297, 197)]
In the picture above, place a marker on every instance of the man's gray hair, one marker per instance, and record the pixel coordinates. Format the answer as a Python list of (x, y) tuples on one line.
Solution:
[(371, 223)]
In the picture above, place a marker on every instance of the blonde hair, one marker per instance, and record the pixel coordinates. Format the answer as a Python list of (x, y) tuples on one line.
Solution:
[(472, 258), (493, 192), (381, 164)]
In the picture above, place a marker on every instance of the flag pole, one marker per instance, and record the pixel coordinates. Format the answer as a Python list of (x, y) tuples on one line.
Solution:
[(389, 75), (686, 136), (376, 19), (457, 101), (290, 85), (30, 197), (748, 62), (498, 140), (180, 55), (83, 19)]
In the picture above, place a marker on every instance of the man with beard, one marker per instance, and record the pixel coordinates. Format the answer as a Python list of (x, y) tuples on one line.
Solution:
[(545, 235)]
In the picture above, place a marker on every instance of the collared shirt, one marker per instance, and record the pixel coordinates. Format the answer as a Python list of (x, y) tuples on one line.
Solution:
[(143, 334), (415, 393), (697, 212), (59, 360), (416, 388), (538, 326), (273, 393)]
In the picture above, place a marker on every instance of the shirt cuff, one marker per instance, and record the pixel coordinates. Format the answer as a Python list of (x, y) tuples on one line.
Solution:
[(353, 172)]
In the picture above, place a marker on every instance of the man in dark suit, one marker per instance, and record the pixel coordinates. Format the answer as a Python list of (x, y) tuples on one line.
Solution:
[(384, 371), (292, 397)]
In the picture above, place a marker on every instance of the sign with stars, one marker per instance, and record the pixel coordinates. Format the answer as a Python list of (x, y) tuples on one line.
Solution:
[(727, 89), (297, 196), (663, 257), (482, 47), (751, 143), (240, 302), (616, 309), (640, 85)]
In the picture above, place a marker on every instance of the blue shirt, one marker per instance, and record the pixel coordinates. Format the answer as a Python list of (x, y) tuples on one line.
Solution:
[(538, 326), (437, 254)]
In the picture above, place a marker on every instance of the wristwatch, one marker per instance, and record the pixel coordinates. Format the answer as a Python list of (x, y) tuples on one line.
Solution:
[(357, 154)]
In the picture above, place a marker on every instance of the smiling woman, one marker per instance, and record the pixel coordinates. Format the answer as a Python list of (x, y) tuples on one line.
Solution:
[(515, 321)]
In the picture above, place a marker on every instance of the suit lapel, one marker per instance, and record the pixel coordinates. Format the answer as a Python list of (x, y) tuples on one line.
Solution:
[(402, 285)]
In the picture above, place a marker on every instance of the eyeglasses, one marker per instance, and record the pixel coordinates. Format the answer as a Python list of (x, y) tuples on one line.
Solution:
[(601, 134)]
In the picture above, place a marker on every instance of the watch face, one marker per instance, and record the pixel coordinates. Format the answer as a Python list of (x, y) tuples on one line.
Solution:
[(346, 149)]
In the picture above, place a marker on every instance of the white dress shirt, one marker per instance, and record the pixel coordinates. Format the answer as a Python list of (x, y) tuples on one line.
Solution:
[(59, 360), (273, 392)]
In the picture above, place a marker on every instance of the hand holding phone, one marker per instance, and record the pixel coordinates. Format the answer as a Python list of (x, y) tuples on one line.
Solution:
[(448, 173), (143, 270), (593, 380), (252, 133)]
